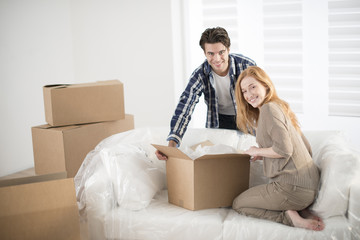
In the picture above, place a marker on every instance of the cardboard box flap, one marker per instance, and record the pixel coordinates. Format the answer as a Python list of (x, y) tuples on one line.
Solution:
[(105, 82), (109, 82), (32, 179), (95, 84), (171, 151), (59, 128), (177, 153), (202, 144), (55, 86), (225, 156)]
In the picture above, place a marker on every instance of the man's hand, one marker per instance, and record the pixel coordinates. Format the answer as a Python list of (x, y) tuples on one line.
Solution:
[(162, 156)]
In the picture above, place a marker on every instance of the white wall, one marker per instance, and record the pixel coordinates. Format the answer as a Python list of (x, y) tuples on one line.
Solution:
[(73, 41)]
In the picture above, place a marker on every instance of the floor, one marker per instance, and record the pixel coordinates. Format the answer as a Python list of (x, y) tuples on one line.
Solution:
[(31, 172)]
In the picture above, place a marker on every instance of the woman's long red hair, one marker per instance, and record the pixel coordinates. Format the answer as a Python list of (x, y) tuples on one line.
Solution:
[(246, 115)]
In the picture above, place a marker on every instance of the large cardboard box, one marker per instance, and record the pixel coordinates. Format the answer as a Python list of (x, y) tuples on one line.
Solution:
[(39, 207), (84, 103), (59, 149), (209, 181)]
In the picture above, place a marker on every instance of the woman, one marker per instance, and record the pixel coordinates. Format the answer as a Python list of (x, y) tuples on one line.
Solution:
[(285, 151)]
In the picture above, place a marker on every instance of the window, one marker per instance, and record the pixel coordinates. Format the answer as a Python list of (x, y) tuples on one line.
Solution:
[(283, 50), (222, 13), (310, 49), (344, 57)]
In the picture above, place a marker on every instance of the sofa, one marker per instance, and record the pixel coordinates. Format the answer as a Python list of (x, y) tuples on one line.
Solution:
[(122, 193)]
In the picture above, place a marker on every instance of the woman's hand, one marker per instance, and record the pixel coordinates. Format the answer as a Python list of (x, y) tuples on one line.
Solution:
[(257, 153), (253, 152)]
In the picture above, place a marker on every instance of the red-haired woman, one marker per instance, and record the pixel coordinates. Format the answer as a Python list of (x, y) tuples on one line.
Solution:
[(285, 151)]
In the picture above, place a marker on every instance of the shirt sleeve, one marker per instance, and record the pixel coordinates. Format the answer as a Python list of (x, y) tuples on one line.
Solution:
[(188, 100), (307, 144), (277, 129)]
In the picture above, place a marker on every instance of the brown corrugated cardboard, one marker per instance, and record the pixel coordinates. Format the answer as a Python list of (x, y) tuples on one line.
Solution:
[(209, 181), (64, 148), (39, 207), (84, 103)]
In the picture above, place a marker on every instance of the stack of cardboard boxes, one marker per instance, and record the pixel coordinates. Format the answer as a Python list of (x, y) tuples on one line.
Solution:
[(79, 116)]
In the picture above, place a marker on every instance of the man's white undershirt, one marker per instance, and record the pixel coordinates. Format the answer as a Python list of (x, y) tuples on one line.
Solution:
[(222, 88)]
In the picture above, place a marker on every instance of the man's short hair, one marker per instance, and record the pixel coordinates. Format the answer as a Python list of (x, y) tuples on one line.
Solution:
[(215, 35)]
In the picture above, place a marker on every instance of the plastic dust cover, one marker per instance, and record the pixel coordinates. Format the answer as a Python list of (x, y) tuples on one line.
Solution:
[(122, 193)]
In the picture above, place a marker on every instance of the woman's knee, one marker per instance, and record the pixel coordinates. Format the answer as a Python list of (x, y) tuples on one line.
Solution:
[(236, 205), (250, 198)]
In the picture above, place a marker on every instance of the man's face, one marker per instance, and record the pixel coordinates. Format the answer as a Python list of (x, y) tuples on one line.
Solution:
[(217, 56)]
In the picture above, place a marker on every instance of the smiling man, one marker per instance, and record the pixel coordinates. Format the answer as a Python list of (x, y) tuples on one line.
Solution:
[(216, 79)]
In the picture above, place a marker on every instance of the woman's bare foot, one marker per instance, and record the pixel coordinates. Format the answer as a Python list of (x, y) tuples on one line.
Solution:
[(307, 223), (308, 214)]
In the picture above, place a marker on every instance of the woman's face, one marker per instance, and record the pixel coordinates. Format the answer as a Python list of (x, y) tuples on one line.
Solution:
[(253, 91)]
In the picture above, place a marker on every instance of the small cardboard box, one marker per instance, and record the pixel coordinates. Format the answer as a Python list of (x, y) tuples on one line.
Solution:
[(209, 181), (39, 207), (84, 103), (59, 149)]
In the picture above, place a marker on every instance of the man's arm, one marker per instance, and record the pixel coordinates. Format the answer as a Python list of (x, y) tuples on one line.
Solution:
[(188, 99), (182, 116)]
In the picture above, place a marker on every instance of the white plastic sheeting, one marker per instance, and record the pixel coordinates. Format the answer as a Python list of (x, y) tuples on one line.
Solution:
[(121, 190), (162, 220)]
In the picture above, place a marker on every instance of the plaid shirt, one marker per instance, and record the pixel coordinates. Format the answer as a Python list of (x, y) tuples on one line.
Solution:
[(202, 81)]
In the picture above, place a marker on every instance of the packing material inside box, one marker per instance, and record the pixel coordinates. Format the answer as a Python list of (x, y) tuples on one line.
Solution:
[(64, 148), (208, 181), (68, 104), (39, 207)]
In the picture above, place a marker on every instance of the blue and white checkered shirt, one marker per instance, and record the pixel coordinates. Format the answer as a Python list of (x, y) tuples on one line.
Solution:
[(202, 81)]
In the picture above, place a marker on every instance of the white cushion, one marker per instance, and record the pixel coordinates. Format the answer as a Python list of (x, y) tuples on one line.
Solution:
[(317, 138), (237, 226), (161, 220), (339, 164)]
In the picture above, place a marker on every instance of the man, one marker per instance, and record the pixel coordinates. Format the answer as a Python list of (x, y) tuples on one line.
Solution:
[(216, 79)]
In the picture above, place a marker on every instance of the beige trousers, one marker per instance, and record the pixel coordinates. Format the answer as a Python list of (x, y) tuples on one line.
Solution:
[(270, 201)]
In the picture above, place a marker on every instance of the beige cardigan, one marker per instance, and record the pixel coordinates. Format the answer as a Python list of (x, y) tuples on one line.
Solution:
[(296, 167)]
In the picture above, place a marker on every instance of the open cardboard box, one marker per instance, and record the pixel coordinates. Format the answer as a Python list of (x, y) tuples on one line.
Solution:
[(39, 207), (68, 104), (209, 181)]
